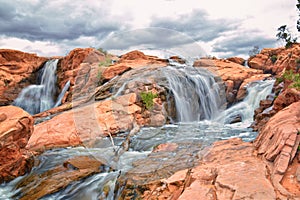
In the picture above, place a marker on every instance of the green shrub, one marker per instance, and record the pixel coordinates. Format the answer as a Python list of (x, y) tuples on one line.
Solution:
[(105, 63), (273, 58), (147, 98), (294, 77)]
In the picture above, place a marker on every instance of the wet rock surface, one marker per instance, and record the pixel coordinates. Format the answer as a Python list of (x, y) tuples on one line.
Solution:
[(234, 75), (16, 127), (283, 58), (35, 186), (17, 70), (229, 170)]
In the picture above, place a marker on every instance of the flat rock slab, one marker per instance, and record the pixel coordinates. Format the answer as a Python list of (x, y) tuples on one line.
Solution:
[(36, 186)]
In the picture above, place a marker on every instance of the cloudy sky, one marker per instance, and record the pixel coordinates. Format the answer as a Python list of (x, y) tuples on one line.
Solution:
[(214, 27)]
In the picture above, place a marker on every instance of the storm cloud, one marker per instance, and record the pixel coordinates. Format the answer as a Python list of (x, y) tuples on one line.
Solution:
[(197, 25), (241, 42), (56, 20)]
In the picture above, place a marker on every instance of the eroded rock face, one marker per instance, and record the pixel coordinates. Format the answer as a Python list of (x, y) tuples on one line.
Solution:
[(79, 65), (83, 125), (16, 127), (235, 76), (17, 70), (237, 60), (131, 60), (229, 170), (282, 59), (36, 186), (278, 141)]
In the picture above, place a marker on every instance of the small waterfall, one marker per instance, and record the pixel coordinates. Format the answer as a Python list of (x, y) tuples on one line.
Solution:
[(197, 94), (257, 91), (38, 98)]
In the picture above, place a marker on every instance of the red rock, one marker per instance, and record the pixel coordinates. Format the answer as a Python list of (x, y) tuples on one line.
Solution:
[(231, 72), (278, 141), (243, 89), (113, 71), (15, 131), (229, 170), (17, 70), (75, 169), (77, 64), (238, 60), (133, 55), (286, 58), (85, 124), (286, 98)]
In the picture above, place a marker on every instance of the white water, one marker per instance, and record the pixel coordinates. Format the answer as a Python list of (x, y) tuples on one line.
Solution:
[(38, 98), (197, 95), (256, 91)]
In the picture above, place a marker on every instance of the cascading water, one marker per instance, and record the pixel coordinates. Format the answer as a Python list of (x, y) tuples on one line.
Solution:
[(256, 92), (197, 97), (38, 98), (197, 94)]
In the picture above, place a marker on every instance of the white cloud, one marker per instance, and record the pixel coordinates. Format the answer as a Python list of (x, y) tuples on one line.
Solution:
[(55, 27)]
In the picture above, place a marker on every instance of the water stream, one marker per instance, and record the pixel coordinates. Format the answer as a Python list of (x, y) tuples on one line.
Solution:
[(42, 96), (200, 123)]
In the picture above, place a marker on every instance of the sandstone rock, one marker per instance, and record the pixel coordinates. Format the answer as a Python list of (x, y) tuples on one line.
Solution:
[(113, 71), (286, 98), (231, 72), (36, 186), (243, 88), (278, 141), (83, 125), (229, 170), (79, 63), (15, 130), (286, 58), (238, 60), (17, 70)]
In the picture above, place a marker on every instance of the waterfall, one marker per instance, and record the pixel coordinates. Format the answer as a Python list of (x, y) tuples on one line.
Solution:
[(197, 94), (257, 91), (38, 98)]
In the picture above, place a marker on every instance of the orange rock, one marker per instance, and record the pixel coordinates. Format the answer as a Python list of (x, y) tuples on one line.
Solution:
[(15, 130), (78, 64), (238, 60), (231, 72), (85, 124), (228, 170), (17, 70), (36, 186), (113, 71), (243, 89), (286, 98), (285, 58), (278, 141)]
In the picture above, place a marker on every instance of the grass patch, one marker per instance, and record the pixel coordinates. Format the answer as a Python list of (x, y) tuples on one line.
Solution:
[(147, 98)]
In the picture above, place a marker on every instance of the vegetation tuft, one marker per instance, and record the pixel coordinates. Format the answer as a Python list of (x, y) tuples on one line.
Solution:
[(147, 98)]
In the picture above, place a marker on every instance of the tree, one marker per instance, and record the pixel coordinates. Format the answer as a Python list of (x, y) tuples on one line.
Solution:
[(298, 21), (254, 51), (285, 35)]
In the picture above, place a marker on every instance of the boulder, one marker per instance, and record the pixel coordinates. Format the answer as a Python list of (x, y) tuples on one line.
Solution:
[(83, 125), (229, 170), (286, 98), (234, 75), (275, 60), (279, 139), (238, 60), (36, 186), (17, 70), (81, 68), (16, 127)]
